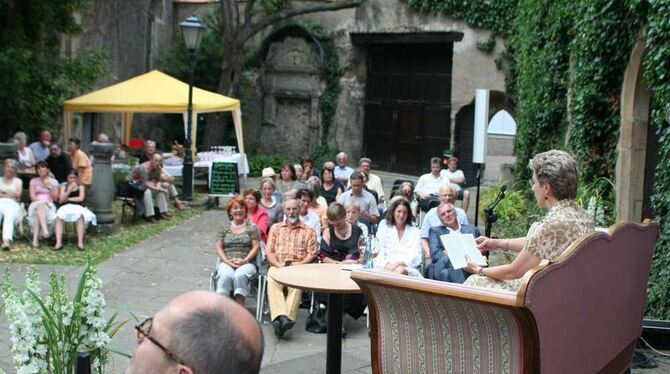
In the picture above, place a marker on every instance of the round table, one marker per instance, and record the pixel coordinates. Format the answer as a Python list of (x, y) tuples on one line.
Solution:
[(330, 279)]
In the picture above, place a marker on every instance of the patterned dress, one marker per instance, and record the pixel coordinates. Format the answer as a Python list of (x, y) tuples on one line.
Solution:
[(547, 239)]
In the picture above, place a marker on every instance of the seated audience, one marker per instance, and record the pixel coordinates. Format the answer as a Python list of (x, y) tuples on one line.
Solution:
[(353, 214), (198, 332), (554, 185), (257, 215), (10, 193), (445, 195), (399, 241), (343, 243), (441, 268), (23, 153), (150, 177), (298, 172), (80, 162), (406, 189), (167, 182), (237, 245), (366, 188), (457, 180), (59, 163), (148, 152), (308, 168), (267, 202), (342, 171), (305, 198), (287, 180), (363, 198), (40, 148), (318, 205), (42, 210), (331, 188), (71, 199), (428, 184), (289, 242), (374, 182), (177, 156)]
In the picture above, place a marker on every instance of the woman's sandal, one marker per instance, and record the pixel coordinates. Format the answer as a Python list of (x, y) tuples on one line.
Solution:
[(81, 248), (57, 248)]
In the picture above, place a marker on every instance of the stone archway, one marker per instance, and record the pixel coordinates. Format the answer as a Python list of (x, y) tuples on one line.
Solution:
[(632, 146)]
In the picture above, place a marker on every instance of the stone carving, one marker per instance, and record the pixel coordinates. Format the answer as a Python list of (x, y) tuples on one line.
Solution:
[(291, 90)]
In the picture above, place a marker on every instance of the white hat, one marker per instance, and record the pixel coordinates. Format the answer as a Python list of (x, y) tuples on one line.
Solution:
[(268, 173)]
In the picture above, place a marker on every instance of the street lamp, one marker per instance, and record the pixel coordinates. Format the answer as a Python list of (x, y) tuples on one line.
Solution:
[(192, 30)]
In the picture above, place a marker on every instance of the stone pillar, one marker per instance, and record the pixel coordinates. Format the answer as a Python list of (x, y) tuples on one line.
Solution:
[(103, 188), (7, 150)]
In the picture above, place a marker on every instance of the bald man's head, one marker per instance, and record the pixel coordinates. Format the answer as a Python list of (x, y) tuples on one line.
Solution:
[(446, 194), (207, 332)]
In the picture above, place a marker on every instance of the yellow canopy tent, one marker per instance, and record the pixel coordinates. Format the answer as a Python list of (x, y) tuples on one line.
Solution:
[(154, 92)]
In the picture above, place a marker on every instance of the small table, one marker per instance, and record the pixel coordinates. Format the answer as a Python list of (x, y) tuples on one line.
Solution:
[(330, 279)]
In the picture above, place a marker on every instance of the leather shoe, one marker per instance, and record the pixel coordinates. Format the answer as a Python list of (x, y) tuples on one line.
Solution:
[(278, 327), (150, 219), (166, 215), (286, 323)]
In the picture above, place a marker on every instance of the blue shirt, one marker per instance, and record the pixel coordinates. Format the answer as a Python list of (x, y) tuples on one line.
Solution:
[(432, 220)]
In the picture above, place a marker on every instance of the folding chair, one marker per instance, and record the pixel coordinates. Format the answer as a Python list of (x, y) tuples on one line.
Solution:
[(125, 193)]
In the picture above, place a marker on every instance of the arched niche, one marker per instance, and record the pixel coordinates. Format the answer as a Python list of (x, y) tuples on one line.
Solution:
[(632, 145), (292, 85)]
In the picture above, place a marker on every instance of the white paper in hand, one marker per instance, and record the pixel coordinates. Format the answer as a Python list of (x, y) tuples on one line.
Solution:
[(460, 245)]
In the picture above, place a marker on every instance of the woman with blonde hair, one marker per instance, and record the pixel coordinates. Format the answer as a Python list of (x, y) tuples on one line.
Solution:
[(24, 153), (554, 186), (10, 193)]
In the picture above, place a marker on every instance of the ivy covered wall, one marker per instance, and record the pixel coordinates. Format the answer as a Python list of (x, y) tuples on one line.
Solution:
[(566, 64)]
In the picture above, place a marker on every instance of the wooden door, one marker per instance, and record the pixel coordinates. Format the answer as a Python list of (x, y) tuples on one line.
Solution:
[(408, 105)]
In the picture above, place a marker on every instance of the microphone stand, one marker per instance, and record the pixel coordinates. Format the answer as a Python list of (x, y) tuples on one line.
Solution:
[(491, 217)]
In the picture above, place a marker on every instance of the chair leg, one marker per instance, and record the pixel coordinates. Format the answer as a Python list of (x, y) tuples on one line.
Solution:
[(260, 297)]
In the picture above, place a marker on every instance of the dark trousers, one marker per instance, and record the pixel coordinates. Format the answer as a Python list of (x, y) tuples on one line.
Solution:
[(428, 203)]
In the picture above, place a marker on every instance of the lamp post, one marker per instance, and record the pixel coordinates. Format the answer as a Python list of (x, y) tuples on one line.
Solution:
[(192, 30)]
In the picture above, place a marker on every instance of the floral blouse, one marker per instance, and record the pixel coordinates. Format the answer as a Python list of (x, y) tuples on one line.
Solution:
[(547, 239)]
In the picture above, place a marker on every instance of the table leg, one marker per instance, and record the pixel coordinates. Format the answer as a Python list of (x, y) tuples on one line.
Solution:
[(334, 347)]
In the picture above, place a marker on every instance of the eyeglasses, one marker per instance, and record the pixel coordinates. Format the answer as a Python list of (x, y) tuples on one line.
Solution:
[(144, 329)]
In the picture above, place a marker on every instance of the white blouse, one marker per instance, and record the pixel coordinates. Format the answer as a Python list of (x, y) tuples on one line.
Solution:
[(392, 248)]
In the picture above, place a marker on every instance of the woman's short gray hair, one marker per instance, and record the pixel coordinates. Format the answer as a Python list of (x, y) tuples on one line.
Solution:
[(12, 163), (21, 136), (558, 169)]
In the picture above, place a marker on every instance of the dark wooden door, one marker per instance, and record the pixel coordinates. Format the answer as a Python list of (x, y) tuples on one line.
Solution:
[(408, 105)]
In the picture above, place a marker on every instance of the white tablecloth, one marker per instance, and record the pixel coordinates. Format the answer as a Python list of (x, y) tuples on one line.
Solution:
[(242, 164)]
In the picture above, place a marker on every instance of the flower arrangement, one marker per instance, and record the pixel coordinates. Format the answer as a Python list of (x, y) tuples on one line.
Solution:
[(46, 334)]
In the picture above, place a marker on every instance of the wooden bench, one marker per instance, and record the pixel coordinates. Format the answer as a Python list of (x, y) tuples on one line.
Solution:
[(581, 313)]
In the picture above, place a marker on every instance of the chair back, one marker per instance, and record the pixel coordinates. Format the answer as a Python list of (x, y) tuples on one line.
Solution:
[(588, 305), (124, 190)]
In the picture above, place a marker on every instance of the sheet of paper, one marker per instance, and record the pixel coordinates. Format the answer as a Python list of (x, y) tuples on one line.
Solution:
[(351, 267), (459, 245)]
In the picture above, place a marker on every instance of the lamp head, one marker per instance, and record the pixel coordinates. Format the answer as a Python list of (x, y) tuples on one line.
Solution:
[(192, 30)]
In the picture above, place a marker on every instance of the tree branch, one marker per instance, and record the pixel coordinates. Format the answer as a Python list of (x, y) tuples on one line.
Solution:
[(247, 12), (251, 30)]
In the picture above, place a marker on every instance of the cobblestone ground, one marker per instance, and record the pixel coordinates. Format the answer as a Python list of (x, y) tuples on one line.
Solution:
[(144, 278)]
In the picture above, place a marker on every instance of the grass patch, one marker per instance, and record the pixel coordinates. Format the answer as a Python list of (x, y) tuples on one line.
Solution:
[(98, 247)]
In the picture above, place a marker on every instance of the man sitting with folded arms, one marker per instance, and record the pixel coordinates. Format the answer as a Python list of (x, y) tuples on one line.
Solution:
[(445, 194), (289, 242), (363, 198), (149, 174), (441, 268), (456, 177), (429, 184), (166, 179)]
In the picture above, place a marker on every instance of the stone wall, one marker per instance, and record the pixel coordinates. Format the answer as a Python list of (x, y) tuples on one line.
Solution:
[(472, 68)]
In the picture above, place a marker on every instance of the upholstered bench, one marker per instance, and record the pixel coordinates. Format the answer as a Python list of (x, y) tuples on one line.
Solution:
[(581, 313)]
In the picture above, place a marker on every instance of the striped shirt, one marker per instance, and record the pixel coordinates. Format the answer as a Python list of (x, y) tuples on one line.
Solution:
[(291, 243)]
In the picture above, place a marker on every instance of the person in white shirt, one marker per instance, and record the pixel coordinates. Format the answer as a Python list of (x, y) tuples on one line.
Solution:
[(430, 183), (445, 194), (457, 180), (24, 154), (10, 193), (374, 182), (342, 171), (399, 241), (363, 198)]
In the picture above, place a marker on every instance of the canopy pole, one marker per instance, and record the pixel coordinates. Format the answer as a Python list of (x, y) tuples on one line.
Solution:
[(237, 121), (67, 124)]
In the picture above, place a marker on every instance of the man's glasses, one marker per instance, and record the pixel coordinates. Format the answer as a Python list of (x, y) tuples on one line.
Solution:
[(144, 329)]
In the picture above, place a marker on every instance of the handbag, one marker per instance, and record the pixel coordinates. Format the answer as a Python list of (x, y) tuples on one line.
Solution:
[(317, 321)]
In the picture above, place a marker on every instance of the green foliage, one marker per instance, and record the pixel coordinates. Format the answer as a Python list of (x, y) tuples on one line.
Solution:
[(322, 154), (595, 197), (486, 45), (657, 74), (259, 162), (495, 15), (34, 76), (515, 212), (596, 86)]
